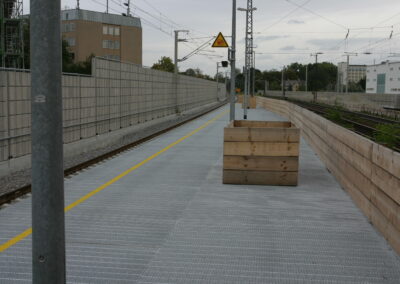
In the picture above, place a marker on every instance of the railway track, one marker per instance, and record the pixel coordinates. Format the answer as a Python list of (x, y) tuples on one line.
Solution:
[(361, 123), (17, 193)]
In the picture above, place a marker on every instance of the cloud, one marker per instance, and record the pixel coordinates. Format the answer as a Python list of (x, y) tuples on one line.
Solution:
[(336, 44), (270, 38), (296, 22), (288, 48)]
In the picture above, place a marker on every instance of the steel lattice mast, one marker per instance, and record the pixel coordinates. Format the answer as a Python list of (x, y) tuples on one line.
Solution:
[(11, 34), (249, 56)]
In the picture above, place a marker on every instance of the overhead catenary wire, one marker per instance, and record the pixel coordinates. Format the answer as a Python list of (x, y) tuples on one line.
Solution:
[(284, 17)]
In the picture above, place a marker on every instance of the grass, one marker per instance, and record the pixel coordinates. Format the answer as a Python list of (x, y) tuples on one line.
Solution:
[(387, 134)]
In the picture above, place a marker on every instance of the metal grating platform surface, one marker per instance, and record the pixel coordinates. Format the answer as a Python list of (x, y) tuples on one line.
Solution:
[(172, 221)]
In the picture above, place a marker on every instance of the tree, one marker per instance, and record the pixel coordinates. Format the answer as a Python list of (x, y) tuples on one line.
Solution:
[(363, 84), (164, 64)]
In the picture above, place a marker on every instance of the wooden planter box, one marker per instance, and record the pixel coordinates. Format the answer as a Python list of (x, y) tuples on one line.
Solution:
[(261, 153), (252, 101)]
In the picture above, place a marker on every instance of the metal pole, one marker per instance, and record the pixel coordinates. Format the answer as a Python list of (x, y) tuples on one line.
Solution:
[(176, 70), (246, 70), (233, 63), (347, 74), (307, 78), (176, 53), (48, 237), (337, 79), (217, 79), (107, 7), (283, 86), (283, 83), (254, 74)]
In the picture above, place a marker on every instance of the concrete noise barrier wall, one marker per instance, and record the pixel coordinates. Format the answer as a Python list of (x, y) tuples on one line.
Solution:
[(369, 172), (117, 96)]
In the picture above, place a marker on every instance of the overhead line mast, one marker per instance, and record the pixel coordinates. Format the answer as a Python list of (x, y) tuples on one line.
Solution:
[(249, 55)]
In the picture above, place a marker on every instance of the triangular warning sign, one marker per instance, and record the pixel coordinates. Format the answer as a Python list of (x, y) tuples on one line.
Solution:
[(220, 41)]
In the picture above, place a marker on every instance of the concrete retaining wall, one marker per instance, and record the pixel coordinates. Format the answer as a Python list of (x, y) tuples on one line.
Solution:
[(353, 101), (369, 172), (119, 96)]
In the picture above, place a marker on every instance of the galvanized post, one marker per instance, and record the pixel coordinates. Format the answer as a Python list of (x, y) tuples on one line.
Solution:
[(7, 115), (176, 71), (217, 79), (307, 78), (48, 237), (233, 63), (254, 75)]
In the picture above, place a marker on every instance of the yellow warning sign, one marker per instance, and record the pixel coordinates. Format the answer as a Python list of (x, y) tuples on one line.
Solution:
[(220, 41)]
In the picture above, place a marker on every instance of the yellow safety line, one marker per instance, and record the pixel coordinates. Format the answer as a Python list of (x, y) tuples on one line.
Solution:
[(28, 232)]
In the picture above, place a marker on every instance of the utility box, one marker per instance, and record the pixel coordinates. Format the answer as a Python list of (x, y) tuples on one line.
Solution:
[(261, 153)]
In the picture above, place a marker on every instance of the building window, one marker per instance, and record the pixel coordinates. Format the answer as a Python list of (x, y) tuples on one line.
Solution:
[(111, 30), (111, 44), (391, 79), (68, 27), (391, 69), (71, 41)]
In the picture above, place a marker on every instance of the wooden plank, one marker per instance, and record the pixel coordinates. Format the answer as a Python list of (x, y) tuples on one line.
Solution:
[(261, 149), (257, 124), (282, 164), (260, 178), (246, 134), (252, 102), (387, 159), (387, 182)]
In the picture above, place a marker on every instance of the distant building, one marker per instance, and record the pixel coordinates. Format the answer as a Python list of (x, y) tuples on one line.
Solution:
[(293, 85), (356, 73), (383, 78), (106, 35)]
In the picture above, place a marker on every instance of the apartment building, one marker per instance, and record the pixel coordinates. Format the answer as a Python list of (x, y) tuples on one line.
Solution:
[(106, 35)]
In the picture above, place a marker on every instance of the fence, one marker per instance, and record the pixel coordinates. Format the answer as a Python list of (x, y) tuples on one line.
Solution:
[(117, 95)]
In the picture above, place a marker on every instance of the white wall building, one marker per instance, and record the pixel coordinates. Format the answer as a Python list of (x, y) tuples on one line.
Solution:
[(383, 78)]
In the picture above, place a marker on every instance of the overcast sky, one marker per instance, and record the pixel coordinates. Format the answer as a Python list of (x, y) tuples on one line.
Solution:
[(285, 30)]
